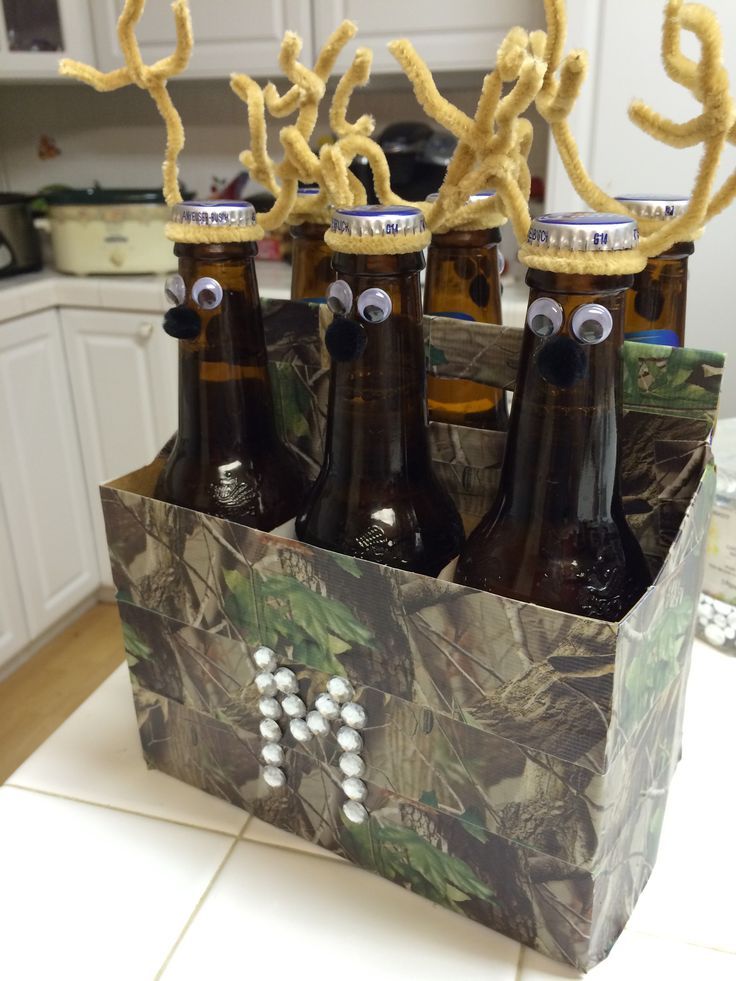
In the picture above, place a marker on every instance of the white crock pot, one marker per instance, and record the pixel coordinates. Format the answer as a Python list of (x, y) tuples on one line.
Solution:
[(107, 230)]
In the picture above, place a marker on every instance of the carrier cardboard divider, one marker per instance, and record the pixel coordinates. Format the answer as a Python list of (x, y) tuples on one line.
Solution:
[(517, 759)]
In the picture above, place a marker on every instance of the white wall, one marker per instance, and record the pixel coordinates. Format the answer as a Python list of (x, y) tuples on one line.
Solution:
[(621, 159), (118, 138)]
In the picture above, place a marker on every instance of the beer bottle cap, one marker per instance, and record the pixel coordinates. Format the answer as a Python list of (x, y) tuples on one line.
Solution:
[(657, 206), (583, 231), (214, 214), (373, 220), (306, 192), (378, 228)]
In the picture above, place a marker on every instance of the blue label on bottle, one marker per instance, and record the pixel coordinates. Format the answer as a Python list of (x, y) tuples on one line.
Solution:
[(668, 338), (455, 314)]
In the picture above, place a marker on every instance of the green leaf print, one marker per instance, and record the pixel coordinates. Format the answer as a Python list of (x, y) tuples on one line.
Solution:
[(400, 854)]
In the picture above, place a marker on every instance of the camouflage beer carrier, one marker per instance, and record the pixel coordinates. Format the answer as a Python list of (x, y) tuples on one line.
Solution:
[(515, 760)]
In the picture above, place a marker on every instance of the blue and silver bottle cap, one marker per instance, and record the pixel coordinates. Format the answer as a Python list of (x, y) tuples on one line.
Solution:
[(583, 231), (659, 207), (378, 221), (214, 214)]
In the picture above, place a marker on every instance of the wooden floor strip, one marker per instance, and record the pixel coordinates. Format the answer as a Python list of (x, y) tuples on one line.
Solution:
[(44, 691)]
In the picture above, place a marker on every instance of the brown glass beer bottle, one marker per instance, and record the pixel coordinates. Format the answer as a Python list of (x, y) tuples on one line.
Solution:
[(556, 535), (656, 305), (311, 258), (376, 496), (462, 281), (227, 459)]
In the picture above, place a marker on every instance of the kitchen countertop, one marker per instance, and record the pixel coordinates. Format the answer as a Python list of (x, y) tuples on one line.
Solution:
[(111, 871), (31, 292)]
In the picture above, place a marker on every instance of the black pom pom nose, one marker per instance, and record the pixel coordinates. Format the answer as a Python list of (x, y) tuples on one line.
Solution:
[(345, 339), (561, 362), (182, 322)]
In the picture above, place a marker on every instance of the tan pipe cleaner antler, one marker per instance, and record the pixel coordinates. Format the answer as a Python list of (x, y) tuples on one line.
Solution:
[(329, 168), (307, 91), (493, 147), (151, 78), (707, 80)]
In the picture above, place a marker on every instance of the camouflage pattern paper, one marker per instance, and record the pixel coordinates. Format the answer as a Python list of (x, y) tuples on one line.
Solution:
[(518, 759)]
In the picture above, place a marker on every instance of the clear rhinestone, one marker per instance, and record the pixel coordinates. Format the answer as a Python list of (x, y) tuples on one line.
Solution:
[(294, 707), (354, 811), (269, 707), (352, 765), (715, 635), (349, 739), (270, 730), (300, 730), (730, 632), (265, 659), (327, 706), (286, 681), (719, 620), (273, 776), (353, 715), (355, 789), (340, 689), (318, 724), (266, 683), (273, 754), (720, 607)]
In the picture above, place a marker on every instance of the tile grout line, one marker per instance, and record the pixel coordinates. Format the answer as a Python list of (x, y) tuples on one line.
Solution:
[(665, 938), (126, 810), (519, 963), (197, 908)]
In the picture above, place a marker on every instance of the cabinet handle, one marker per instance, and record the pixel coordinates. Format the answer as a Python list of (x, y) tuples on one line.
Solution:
[(145, 331)]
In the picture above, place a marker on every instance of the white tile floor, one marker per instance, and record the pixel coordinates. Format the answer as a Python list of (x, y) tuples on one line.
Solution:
[(108, 870)]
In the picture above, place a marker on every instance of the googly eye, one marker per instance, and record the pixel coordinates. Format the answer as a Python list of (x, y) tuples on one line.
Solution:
[(374, 306), (591, 323), (545, 316), (175, 290), (207, 293), (340, 298)]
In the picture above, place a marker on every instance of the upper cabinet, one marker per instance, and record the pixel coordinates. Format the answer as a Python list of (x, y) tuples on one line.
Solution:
[(245, 35), (230, 35), (35, 34), (450, 35)]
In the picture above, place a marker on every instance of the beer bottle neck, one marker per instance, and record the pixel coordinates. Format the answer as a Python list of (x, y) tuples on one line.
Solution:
[(462, 278), (311, 262), (656, 306), (377, 427), (225, 402), (561, 462)]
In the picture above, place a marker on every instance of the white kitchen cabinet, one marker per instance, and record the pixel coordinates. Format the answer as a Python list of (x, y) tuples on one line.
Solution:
[(41, 480), (230, 35), (14, 633), (35, 34), (123, 372), (450, 36)]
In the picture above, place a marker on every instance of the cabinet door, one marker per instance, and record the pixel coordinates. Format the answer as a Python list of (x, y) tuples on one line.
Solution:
[(34, 34), (14, 634), (229, 35), (41, 477), (450, 36), (123, 372)]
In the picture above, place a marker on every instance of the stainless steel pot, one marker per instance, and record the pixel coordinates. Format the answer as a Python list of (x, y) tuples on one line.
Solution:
[(20, 249)]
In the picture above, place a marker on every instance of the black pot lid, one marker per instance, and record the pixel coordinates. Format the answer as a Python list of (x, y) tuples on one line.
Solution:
[(105, 195)]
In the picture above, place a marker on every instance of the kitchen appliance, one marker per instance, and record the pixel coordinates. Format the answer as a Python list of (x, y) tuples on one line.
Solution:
[(417, 158), (109, 230), (20, 249)]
